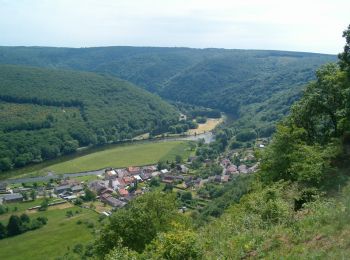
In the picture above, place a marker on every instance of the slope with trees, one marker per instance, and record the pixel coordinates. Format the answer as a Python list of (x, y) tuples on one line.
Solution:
[(46, 113)]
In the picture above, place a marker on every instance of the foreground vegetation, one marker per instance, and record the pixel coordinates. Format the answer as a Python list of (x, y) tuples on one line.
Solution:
[(60, 232)]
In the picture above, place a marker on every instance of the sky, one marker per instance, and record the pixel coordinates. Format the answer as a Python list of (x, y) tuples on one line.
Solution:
[(295, 25)]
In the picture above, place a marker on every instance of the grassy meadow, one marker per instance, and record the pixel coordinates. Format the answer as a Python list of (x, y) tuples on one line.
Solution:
[(117, 156), (53, 239)]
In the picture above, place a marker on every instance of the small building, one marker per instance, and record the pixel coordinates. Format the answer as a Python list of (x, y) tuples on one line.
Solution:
[(182, 168), (168, 179), (149, 169), (128, 180), (225, 178), (146, 176), (243, 168), (134, 170), (77, 188), (110, 174), (155, 174), (62, 188), (111, 201), (97, 186), (164, 171), (13, 197), (225, 162), (232, 169), (123, 192), (122, 173)]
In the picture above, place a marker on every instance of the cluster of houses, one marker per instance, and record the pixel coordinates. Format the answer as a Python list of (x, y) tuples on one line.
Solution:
[(118, 186), (69, 189), (232, 169)]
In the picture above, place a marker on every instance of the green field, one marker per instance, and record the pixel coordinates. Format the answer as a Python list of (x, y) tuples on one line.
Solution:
[(121, 156), (53, 239)]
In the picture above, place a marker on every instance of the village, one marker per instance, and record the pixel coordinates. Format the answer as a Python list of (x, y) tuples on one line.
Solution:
[(116, 187)]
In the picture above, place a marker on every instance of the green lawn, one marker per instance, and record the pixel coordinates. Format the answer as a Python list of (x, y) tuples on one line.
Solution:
[(122, 156), (53, 239)]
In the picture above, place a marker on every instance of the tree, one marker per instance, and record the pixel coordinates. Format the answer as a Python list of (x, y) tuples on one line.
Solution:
[(177, 244), (136, 225), (44, 205), (24, 218), (344, 57), (161, 165), (5, 164), (178, 158), (3, 232), (89, 195), (14, 226), (33, 194)]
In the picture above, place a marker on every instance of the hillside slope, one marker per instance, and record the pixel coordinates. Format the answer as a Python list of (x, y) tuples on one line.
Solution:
[(256, 85), (45, 113)]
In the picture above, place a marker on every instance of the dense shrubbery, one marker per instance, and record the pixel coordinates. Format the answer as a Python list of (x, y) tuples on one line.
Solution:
[(20, 224)]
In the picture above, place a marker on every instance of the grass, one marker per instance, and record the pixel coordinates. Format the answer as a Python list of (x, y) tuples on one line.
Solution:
[(123, 156), (53, 239), (113, 156), (21, 207)]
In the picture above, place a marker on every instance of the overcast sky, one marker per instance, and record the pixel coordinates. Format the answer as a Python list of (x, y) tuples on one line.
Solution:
[(297, 25)]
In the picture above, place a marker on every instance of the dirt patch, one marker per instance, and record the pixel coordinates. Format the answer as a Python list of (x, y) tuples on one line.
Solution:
[(206, 127)]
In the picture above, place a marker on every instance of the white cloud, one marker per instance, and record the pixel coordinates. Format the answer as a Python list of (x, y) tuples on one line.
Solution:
[(270, 24)]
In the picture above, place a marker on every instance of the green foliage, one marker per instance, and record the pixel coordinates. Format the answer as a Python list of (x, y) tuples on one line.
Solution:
[(46, 113), (89, 195), (139, 223), (177, 244)]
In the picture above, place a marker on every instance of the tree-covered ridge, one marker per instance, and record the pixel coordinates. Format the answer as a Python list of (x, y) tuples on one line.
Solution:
[(46, 113), (229, 80)]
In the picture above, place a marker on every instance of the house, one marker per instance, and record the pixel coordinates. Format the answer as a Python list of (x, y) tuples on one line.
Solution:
[(134, 170), (3, 187), (155, 174), (225, 162), (110, 174), (107, 191), (13, 197), (182, 168), (232, 169), (77, 188), (138, 177), (149, 169), (113, 202), (97, 186), (146, 176), (168, 179), (225, 178), (122, 173), (62, 188), (164, 171), (243, 168), (128, 180), (123, 192)]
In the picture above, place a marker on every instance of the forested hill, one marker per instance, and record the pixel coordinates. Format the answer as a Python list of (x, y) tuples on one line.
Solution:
[(45, 113), (249, 83)]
